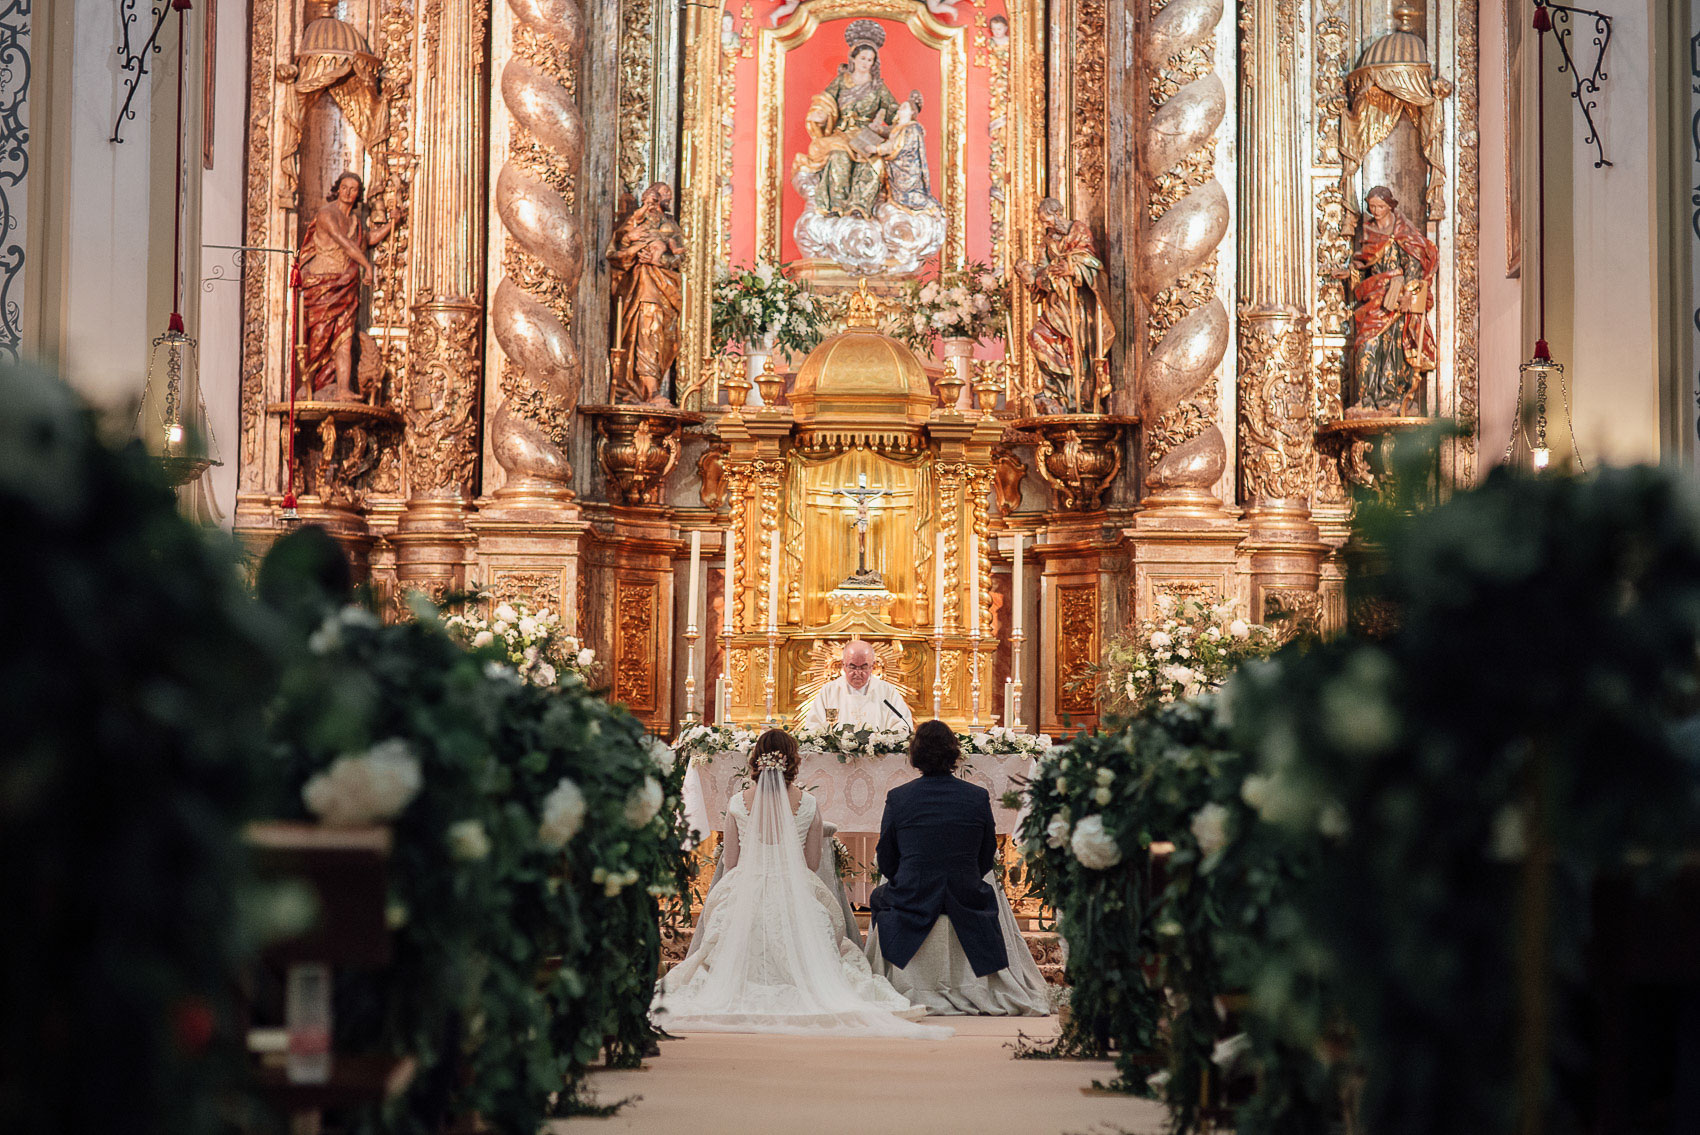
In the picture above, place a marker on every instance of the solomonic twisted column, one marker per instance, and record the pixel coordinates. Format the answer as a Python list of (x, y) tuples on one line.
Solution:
[(544, 254), (1186, 451)]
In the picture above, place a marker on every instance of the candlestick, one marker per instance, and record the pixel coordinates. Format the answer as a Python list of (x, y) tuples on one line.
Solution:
[(974, 670), (723, 695), (1015, 583), (1008, 716), (696, 576), (1015, 679), (691, 633), (769, 685), (974, 587), (773, 583)]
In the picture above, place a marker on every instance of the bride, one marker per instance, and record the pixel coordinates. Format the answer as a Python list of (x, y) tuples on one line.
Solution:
[(771, 952)]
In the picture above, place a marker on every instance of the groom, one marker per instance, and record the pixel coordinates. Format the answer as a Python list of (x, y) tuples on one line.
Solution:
[(935, 910)]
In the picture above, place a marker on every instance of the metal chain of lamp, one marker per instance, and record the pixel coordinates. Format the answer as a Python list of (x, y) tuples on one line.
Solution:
[(1541, 371), (175, 357)]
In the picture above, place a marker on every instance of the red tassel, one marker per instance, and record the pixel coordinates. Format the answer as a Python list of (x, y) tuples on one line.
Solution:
[(175, 323), (1542, 353), (1543, 20), (181, 5)]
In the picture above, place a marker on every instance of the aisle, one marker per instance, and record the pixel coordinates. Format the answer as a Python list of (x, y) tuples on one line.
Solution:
[(707, 1084)]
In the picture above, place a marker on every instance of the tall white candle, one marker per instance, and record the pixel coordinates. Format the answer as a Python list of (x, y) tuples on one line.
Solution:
[(974, 581), (938, 586), (696, 577), (1015, 598), (773, 583), (726, 619), (1008, 702)]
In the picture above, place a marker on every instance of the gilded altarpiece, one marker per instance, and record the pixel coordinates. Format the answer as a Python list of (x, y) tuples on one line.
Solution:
[(485, 327)]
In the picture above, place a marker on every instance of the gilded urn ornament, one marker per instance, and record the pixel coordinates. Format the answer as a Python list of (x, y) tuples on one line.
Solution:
[(638, 447), (1078, 455)]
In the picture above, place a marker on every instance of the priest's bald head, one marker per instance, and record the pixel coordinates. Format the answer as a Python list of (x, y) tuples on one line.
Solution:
[(858, 663)]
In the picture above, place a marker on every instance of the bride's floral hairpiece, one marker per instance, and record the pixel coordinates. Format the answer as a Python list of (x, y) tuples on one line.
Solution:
[(773, 758)]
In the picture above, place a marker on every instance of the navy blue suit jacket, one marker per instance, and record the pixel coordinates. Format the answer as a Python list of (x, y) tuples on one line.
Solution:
[(937, 841)]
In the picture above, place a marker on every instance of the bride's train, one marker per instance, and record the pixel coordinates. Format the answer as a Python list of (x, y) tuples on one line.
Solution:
[(774, 956)]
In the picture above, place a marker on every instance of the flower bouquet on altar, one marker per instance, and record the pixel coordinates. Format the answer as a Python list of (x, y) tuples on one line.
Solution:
[(851, 741), (698, 744), (762, 305), (1000, 741), (1187, 648), (967, 303), (533, 643)]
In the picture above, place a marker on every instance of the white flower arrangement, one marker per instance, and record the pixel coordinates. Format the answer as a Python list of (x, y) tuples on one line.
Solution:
[(468, 840), (328, 637), (644, 803), (698, 744), (532, 641), (563, 814), (660, 754), (1187, 648), (367, 788), (762, 304), (1210, 828), (967, 303), (1094, 846)]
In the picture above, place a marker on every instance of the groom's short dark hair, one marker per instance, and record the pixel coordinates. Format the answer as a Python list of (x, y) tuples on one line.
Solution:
[(933, 749)]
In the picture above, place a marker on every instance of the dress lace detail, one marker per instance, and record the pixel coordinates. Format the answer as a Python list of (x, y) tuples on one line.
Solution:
[(774, 953)]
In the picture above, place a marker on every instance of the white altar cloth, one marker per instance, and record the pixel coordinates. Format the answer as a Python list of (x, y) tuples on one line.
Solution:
[(851, 794)]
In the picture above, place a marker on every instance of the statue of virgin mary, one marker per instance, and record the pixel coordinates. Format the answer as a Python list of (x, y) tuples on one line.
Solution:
[(868, 203)]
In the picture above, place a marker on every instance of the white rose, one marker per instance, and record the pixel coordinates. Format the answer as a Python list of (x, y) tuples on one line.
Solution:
[(643, 803), (528, 627), (1228, 1052), (1056, 832), (1210, 828), (544, 675), (1160, 639), (507, 614), (1106, 777), (468, 840), (659, 752), (1093, 846), (563, 815), (1239, 629), (1333, 822), (327, 638), (1062, 786), (365, 789), (586, 656), (1165, 603), (1102, 796), (482, 638), (1254, 790), (500, 627), (352, 616)]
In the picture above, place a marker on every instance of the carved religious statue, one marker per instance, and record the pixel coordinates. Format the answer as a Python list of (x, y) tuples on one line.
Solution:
[(646, 253), (867, 191), (334, 266), (1072, 332), (1392, 284)]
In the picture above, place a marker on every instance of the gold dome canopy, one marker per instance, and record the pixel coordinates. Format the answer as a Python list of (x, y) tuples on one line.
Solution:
[(860, 386)]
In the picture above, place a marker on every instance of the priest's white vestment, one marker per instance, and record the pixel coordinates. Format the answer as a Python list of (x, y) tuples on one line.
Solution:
[(863, 708)]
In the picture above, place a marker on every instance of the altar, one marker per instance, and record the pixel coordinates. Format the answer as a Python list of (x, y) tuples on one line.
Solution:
[(851, 793)]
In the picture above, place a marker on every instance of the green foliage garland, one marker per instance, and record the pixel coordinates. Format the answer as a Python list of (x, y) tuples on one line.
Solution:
[(130, 697), (1518, 734), (515, 959)]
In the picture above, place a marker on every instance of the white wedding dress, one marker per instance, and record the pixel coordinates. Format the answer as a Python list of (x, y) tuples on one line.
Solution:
[(771, 954)]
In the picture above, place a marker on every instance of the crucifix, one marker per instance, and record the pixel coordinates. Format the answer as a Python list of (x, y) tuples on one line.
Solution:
[(864, 497)]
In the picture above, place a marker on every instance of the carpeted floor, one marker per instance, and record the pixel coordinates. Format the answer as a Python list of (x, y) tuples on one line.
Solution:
[(710, 1083)]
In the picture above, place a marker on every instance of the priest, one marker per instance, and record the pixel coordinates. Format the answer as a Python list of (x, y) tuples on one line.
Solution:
[(858, 699)]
